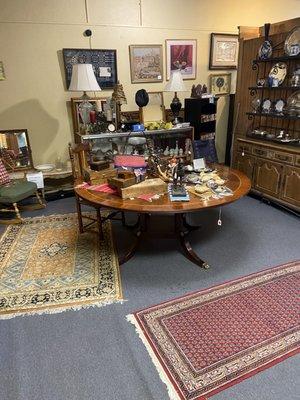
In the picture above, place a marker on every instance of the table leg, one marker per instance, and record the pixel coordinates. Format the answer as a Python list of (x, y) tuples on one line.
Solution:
[(188, 251), (141, 226)]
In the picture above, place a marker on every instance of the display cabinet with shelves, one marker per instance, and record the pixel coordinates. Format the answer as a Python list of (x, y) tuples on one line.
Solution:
[(271, 162)]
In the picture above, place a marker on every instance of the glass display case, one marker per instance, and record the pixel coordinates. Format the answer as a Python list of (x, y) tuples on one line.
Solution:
[(175, 142)]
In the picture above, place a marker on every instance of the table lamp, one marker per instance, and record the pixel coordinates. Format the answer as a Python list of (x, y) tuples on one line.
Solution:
[(83, 80), (175, 84)]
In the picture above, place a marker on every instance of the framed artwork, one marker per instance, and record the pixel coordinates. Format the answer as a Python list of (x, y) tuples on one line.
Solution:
[(220, 84), (2, 75), (104, 64), (146, 63), (224, 50), (182, 54)]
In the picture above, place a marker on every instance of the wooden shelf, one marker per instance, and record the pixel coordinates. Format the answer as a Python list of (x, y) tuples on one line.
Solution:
[(275, 87), (275, 59), (272, 115)]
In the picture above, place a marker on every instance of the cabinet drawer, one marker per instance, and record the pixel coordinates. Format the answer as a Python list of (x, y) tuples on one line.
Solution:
[(244, 148), (284, 157), (258, 151), (297, 162)]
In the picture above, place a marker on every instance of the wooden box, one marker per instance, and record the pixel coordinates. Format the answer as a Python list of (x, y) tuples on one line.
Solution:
[(155, 186), (122, 180), (98, 177)]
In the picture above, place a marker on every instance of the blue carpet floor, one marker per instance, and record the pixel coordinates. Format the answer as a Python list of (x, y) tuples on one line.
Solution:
[(95, 354)]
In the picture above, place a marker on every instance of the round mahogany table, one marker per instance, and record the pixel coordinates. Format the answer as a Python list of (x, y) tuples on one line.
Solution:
[(235, 180)]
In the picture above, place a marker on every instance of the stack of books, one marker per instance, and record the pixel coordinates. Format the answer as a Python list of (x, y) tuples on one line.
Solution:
[(183, 196)]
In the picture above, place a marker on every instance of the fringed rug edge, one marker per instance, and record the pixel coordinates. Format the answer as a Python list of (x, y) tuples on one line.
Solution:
[(173, 395), (61, 309)]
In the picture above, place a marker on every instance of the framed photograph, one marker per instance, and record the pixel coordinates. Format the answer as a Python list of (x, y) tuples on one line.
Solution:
[(2, 75), (146, 63), (224, 50), (182, 54), (220, 84), (104, 64)]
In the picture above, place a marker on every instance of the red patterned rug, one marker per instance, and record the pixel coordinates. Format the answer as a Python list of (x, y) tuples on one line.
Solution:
[(209, 340)]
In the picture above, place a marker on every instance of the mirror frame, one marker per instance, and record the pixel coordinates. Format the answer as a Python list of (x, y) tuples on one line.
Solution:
[(162, 106), (30, 166)]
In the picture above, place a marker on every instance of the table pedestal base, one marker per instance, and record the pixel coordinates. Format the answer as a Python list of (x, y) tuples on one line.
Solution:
[(181, 229)]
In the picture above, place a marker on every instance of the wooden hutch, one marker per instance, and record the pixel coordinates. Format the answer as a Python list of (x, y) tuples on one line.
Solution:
[(273, 167)]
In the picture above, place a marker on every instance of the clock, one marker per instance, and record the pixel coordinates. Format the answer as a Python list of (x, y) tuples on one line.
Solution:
[(111, 127)]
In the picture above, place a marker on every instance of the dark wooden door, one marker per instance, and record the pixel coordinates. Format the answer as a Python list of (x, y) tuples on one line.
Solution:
[(268, 177), (291, 186), (245, 164)]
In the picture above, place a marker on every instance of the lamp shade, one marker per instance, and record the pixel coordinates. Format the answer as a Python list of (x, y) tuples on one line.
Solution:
[(83, 79), (176, 83)]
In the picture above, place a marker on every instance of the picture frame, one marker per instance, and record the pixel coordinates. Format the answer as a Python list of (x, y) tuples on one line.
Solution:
[(181, 54), (224, 49), (2, 74), (146, 63), (220, 84), (104, 62)]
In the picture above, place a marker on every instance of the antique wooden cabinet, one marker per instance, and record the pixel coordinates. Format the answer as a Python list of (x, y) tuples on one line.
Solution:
[(272, 166)]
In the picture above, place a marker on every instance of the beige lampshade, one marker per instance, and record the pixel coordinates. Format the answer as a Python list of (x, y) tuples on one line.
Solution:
[(176, 83), (83, 79)]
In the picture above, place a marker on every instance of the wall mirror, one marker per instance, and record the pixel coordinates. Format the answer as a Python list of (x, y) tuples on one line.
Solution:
[(155, 109), (15, 150)]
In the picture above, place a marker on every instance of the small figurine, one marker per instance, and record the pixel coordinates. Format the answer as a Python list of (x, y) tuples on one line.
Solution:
[(181, 152), (166, 152), (176, 150)]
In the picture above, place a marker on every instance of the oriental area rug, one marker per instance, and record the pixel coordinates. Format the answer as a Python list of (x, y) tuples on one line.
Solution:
[(209, 340), (46, 266)]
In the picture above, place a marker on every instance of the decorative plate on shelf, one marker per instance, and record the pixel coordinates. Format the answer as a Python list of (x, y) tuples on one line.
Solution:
[(45, 167), (278, 71), (279, 105), (293, 104), (266, 105), (255, 104), (292, 43)]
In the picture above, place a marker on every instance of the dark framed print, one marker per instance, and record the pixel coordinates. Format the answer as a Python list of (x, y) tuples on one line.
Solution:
[(181, 54), (104, 64), (220, 84), (146, 63), (224, 50)]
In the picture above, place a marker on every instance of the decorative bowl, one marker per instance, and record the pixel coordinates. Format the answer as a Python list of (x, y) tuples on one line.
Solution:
[(45, 167)]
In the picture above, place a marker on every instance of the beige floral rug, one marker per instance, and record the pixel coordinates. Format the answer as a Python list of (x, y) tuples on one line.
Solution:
[(46, 266)]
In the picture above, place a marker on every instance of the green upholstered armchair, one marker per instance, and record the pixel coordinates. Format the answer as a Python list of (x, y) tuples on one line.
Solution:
[(14, 191)]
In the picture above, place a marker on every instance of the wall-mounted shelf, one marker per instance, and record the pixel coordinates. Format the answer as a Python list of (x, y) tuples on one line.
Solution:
[(274, 87), (276, 59), (273, 115)]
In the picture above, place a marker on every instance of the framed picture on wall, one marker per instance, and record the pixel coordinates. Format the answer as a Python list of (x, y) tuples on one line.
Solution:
[(182, 54), (104, 64), (224, 50), (220, 84), (146, 63), (2, 75)]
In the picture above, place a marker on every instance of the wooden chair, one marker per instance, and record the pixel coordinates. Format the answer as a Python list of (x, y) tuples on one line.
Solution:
[(14, 191), (79, 156)]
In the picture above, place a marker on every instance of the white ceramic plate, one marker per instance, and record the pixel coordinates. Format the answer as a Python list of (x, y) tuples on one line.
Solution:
[(292, 43), (45, 167)]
